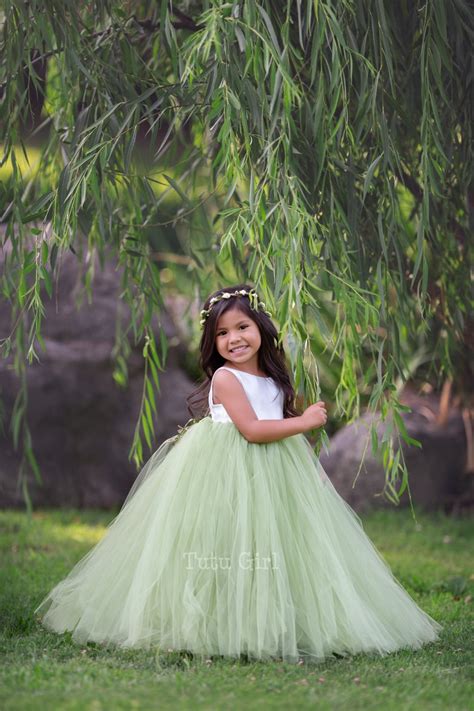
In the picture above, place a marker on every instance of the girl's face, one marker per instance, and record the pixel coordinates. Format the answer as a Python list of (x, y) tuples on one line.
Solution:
[(238, 338)]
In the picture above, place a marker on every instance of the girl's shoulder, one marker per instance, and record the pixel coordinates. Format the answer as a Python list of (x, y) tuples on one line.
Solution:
[(222, 379), (224, 374)]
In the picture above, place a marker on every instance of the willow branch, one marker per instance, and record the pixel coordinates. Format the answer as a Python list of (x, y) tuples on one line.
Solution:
[(186, 23)]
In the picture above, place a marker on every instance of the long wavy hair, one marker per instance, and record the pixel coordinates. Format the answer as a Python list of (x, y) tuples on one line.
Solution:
[(271, 356)]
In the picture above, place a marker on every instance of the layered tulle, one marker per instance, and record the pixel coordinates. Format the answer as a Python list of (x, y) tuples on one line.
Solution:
[(229, 548)]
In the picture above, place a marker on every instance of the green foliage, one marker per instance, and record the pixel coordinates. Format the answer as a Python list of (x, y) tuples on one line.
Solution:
[(322, 150), (40, 669)]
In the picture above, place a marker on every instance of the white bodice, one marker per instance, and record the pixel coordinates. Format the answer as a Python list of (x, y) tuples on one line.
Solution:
[(265, 396)]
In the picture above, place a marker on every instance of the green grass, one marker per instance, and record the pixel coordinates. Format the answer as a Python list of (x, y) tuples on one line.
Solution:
[(38, 669)]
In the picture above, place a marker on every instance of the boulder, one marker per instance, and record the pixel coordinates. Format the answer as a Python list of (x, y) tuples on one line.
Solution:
[(437, 475), (81, 422)]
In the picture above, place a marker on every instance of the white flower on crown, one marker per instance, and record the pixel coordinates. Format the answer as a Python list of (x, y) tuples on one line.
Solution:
[(253, 298)]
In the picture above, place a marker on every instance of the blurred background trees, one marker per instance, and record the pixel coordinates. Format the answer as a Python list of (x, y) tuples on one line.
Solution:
[(321, 150)]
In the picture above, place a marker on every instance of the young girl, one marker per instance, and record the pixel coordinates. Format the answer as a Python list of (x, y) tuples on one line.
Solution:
[(233, 540)]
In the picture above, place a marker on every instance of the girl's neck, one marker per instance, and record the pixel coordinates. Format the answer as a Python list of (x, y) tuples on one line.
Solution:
[(244, 368)]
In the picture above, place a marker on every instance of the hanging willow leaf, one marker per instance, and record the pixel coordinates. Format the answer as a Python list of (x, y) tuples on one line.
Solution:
[(370, 175)]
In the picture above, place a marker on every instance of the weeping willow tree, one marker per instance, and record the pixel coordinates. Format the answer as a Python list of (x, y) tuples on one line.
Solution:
[(321, 150)]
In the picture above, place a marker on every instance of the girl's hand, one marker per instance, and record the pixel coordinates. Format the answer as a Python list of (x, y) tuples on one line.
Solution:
[(315, 415)]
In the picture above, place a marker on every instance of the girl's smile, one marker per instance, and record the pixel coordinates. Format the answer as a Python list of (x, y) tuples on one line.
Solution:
[(238, 338)]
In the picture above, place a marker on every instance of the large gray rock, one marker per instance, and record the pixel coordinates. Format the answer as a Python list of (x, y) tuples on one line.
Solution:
[(81, 422), (437, 476)]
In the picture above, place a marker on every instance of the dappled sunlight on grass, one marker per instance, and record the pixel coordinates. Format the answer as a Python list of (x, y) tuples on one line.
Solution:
[(80, 533), (57, 528)]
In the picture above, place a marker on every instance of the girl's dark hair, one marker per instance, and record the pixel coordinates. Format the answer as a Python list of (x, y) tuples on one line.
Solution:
[(271, 356)]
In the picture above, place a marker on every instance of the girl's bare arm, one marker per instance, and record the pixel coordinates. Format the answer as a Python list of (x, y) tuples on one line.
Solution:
[(230, 393)]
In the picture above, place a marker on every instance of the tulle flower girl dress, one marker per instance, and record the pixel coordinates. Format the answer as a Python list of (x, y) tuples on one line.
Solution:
[(227, 547)]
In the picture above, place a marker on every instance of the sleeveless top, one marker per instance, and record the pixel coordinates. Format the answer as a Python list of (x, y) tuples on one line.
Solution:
[(264, 395)]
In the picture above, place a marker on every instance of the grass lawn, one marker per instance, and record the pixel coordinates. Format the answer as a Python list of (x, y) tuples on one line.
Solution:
[(432, 559)]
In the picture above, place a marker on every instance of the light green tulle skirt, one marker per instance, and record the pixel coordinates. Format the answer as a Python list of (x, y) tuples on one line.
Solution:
[(224, 547)]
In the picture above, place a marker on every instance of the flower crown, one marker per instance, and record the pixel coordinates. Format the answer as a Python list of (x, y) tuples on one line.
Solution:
[(253, 298)]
